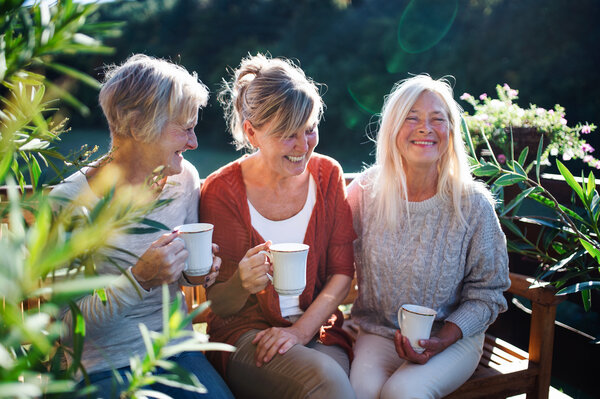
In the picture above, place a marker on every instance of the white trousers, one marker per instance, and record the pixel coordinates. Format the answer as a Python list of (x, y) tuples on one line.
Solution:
[(378, 372)]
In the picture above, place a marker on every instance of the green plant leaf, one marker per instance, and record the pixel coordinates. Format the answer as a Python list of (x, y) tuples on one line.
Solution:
[(562, 263), (591, 186), (509, 179), (570, 179), (155, 224), (74, 73), (467, 136), (538, 158), (592, 249), (518, 168), (588, 285), (518, 199), (586, 298), (523, 156), (141, 230), (486, 169)]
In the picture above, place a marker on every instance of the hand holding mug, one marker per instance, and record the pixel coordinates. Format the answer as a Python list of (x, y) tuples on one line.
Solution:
[(162, 262), (289, 267), (253, 269)]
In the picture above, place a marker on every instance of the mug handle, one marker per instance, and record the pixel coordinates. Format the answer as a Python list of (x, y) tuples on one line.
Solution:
[(400, 319), (270, 257)]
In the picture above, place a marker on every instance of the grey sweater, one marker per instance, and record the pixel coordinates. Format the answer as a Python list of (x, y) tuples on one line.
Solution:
[(432, 261), (112, 329)]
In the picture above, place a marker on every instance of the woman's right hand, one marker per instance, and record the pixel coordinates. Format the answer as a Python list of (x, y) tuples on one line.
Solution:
[(253, 269), (163, 262)]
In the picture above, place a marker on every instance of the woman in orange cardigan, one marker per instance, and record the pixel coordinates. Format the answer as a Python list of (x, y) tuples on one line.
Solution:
[(287, 347)]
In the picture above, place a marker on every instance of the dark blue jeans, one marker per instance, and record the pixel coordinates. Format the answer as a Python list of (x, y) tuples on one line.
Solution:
[(194, 362)]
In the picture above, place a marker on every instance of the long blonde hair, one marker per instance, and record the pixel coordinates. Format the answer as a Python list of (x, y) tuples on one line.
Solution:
[(389, 180)]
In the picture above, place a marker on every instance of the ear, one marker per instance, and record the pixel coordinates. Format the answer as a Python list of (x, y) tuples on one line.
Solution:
[(134, 122), (250, 133)]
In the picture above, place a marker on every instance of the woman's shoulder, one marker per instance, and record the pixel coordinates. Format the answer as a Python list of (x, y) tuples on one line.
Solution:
[(324, 164), (480, 199), (71, 186)]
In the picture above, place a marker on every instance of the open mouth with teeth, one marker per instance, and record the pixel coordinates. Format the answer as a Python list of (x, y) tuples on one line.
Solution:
[(423, 142), (294, 159)]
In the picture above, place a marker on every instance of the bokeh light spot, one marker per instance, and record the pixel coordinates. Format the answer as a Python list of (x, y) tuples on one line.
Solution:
[(424, 23)]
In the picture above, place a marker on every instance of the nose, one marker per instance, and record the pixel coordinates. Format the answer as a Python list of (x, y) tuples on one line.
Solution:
[(424, 126), (192, 142), (302, 142)]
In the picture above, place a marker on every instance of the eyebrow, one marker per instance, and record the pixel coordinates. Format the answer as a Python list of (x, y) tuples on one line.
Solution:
[(434, 112)]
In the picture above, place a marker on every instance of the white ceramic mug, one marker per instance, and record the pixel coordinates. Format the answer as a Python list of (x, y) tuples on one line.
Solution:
[(415, 323), (289, 267), (198, 242)]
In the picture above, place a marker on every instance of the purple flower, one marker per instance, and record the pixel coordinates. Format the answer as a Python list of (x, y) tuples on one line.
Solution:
[(586, 129), (563, 121), (501, 158), (482, 96), (597, 165), (465, 96), (551, 112), (588, 159), (587, 148)]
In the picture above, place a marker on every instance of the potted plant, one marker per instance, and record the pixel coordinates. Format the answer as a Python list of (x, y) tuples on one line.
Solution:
[(497, 119), (564, 240)]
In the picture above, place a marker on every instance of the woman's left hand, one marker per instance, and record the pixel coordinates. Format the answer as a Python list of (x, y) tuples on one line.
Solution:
[(448, 335), (210, 278), (275, 340)]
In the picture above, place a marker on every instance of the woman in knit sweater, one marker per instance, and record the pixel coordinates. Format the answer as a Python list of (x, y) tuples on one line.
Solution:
[(427, 235), (287, 347)]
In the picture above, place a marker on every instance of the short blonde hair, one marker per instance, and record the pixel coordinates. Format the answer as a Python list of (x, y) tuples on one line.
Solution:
[(389, 184), (141, 95), (264, 90)]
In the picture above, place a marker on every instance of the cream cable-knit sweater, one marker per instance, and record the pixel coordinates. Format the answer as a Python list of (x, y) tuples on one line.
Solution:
[(434, 261)]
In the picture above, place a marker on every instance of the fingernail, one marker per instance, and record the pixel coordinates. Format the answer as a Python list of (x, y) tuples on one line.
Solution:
[(206, 279), (217, 268)]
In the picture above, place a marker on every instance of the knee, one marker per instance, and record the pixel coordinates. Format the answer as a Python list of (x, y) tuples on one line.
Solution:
[(366, 385), (330, 380), (405, 388)]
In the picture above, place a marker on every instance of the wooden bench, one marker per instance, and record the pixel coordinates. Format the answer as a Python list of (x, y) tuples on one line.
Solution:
[(504, 370)]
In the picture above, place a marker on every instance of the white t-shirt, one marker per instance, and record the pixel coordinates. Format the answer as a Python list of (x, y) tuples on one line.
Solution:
[(292, 229)]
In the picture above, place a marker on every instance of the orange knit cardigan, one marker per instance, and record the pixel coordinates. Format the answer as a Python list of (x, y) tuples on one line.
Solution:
[(329, 234)]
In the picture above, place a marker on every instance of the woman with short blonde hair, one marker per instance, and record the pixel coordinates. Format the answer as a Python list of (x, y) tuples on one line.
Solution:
[(427, 235), (140, 96), (152, 109)]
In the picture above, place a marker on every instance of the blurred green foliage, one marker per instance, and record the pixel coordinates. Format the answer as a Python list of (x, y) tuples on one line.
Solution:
[(359, 48)]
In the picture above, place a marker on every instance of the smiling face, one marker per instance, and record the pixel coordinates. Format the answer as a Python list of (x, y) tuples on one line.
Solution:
[(424, 135), (285, 156), (174, 140)]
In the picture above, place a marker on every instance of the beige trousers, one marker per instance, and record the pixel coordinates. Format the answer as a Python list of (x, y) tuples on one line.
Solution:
[(378, 371), (305, 371)]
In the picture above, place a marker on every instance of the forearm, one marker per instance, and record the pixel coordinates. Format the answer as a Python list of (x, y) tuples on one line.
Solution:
[(449, 334), (229, 297), (324, 305)]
